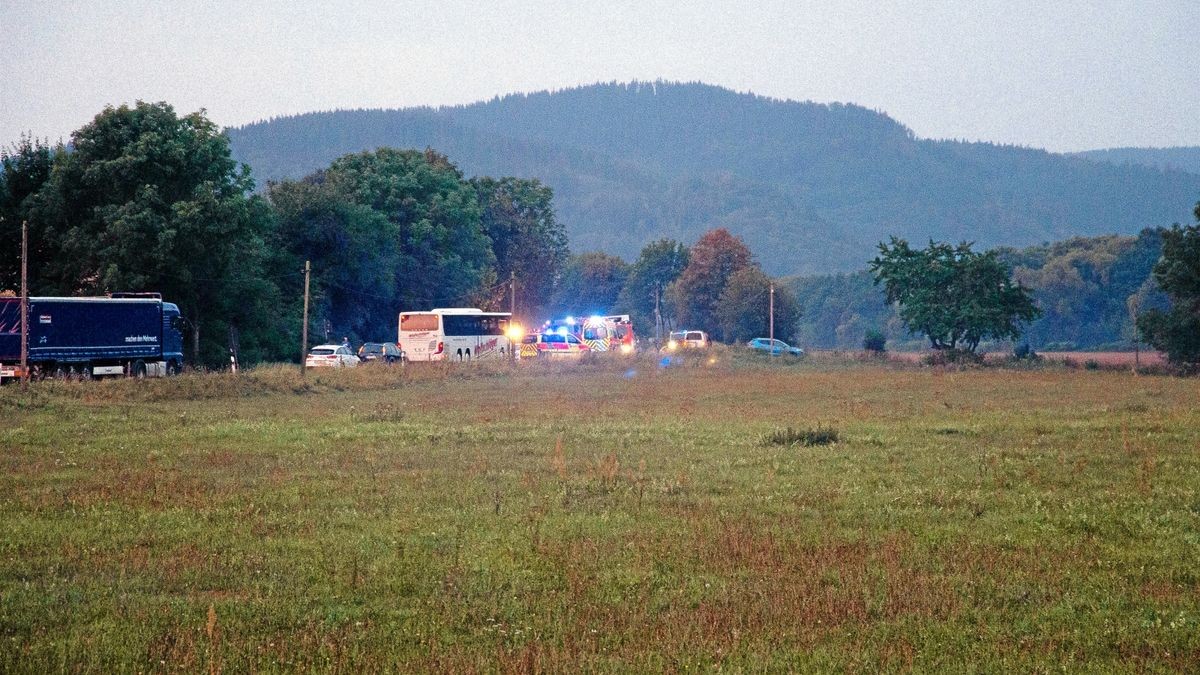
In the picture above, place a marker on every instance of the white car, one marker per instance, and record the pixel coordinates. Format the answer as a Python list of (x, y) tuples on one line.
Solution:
[(331, 356), (687, 339)]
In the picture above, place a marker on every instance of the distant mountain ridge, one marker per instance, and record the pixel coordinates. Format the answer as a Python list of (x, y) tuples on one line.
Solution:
[(1181, 158), (811, 187)]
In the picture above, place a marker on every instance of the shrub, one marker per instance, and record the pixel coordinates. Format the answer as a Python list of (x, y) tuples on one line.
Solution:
[(875, 341), (1024, 351)]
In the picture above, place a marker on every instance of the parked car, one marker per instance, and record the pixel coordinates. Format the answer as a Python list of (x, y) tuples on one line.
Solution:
[(774, 347), (687, 339), (383, 352), (331, 356), (554, 345)]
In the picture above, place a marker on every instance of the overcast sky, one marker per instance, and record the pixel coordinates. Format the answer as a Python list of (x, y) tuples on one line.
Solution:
[(1054, 74)]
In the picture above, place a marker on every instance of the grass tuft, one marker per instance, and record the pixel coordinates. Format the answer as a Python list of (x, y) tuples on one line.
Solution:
[(807, 437)]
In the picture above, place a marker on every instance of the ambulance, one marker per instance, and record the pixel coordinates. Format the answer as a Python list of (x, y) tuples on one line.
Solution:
[(613, 334)]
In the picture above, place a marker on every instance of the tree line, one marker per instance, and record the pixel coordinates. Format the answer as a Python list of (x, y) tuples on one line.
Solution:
[(144, 199)]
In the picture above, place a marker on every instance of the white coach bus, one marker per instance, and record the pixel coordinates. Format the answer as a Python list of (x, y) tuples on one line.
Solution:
[(455, 334)]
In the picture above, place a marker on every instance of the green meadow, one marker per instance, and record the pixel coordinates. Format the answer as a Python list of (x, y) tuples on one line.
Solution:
[(744, 516)]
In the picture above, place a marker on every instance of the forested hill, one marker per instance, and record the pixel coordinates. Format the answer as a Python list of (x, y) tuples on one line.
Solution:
[(810, 187), (1184, 158)]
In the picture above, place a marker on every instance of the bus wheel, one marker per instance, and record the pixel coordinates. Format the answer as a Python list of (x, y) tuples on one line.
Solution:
[(138, 369)]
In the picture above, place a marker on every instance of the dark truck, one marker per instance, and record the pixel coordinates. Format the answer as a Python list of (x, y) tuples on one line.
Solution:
[(134, 335)]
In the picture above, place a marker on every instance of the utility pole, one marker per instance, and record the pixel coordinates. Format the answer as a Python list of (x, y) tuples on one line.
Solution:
[(1134, 304), (657, 317), (304, 325), (512, 312), (24, 305), (772, 319), (512, 293)]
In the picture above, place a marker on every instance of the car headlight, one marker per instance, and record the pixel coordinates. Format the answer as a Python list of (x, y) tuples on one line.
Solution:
[(626, 349), (672, 345)]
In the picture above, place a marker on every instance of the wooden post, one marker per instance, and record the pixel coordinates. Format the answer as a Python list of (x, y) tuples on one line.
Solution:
[(772, 319), (24, 305), (304, 325)]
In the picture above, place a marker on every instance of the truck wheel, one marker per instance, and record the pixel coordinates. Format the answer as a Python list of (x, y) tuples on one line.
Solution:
[(173, 368), (139, 369)]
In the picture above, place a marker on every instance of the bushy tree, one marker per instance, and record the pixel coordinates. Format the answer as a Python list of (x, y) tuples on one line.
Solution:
[(1177, 331), (386, 231), (743, 310), (713, 259), (527, 240), (590, 284), (657, 266), (951, 294)]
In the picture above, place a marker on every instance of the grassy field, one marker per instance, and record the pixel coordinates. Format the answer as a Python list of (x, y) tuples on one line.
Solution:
[(597, 517)]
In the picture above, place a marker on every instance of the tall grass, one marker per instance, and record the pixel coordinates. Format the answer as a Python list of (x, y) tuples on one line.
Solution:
[(617, 516)]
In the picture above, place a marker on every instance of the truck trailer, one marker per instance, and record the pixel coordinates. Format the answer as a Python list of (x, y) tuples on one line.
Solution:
[(134, 335)]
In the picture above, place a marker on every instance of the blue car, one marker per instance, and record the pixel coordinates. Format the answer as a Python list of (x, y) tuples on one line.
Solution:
[(774, 347)]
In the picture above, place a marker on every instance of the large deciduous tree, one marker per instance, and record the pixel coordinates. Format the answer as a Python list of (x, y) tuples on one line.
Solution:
[(1177, 331), (443, 255), (954, 296), (713, 259), (354, 254), (386, 231), (527, 240)]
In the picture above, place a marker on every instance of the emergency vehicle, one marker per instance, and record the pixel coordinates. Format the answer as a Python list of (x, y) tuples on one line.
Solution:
[(600, 333)]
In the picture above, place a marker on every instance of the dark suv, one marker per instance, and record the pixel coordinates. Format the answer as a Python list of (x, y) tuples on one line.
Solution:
[(385, 352)]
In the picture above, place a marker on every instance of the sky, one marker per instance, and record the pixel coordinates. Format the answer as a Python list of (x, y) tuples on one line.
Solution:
[(1055, 74)]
